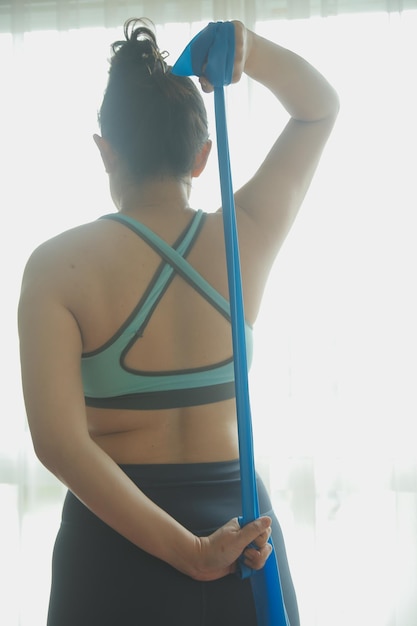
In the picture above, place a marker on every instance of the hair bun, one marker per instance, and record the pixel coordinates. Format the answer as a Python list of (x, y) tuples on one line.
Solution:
[(139, 49)]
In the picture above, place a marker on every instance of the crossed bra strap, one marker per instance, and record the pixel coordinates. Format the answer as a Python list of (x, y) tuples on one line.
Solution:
[(174, 257), (109, 383)]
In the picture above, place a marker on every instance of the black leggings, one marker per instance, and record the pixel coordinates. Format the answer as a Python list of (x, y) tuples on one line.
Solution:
[(101, 579)]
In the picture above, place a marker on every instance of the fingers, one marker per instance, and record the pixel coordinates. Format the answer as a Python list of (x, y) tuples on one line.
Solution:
[(256, 530), (218, 553), (205, 85), (240, 51), (259, 549), (256, 559), (242, 47), (263, 539)]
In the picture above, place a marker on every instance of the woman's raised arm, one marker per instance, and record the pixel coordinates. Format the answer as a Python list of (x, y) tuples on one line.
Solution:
[(275, 193)]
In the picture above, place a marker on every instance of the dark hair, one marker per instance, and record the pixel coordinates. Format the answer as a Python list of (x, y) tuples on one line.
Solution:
[(154, 120)]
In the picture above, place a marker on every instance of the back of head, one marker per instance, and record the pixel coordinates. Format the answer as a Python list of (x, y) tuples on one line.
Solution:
[(154, 120)]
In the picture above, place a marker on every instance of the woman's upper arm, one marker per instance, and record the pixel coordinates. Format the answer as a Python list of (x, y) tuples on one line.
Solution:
[(273, 196), (50, 351)]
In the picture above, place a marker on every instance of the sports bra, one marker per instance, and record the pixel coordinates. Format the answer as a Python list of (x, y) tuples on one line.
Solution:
[(109, 383)]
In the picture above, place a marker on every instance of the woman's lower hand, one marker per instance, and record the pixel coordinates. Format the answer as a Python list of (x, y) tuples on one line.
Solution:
[(218, 553)]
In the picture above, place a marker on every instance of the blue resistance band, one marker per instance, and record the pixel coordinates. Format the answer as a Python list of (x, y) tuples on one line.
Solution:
[(211, 53)]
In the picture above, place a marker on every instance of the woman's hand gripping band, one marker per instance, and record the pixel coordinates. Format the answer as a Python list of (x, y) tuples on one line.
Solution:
[(217, 554)]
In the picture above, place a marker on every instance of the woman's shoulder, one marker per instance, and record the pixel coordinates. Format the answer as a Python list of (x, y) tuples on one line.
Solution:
[(71, 241), (63, 253)]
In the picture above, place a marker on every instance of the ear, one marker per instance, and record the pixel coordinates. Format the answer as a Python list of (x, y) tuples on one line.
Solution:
[(201, 159), (107, 153)]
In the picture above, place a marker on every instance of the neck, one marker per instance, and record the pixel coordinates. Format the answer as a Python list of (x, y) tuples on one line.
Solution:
[(154, 196)]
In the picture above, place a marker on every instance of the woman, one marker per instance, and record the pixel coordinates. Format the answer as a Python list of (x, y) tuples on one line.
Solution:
[(126, 352)]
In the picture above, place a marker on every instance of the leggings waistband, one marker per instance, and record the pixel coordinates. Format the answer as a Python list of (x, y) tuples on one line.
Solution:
[(149, 475), (200, 496)]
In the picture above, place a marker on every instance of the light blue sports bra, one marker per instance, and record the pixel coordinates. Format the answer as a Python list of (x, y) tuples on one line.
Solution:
[(109, 383)]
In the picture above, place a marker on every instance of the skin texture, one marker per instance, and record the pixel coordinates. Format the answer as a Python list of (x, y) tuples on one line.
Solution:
[(79, 287)]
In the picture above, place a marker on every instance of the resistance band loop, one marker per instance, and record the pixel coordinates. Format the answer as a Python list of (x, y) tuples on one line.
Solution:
[(211, 53)]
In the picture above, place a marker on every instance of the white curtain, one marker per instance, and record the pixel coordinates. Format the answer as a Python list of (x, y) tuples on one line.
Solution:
[(333, 382)]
